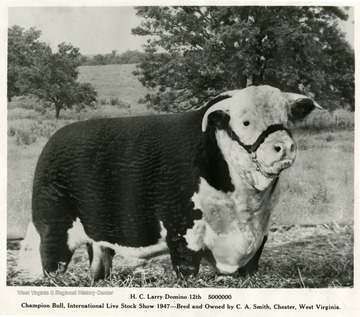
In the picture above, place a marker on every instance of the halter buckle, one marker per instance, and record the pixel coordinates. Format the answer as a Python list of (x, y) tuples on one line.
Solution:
[(253, 157)]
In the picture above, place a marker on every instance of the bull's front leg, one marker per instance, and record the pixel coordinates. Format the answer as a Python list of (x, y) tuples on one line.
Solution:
[(253, 265), (186, 262)]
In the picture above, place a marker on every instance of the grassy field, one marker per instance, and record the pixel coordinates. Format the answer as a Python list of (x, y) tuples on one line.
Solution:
[(312, 224), (294, 257), (115, 81)]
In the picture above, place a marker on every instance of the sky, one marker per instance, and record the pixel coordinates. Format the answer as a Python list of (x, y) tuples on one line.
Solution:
[(96, 30)]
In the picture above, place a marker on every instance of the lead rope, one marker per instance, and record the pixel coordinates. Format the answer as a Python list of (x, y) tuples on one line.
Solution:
[(259, 169)]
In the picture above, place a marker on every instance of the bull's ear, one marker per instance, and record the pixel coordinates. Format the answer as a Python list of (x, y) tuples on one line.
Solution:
[(220, 107), (300, 106), (220, 119)]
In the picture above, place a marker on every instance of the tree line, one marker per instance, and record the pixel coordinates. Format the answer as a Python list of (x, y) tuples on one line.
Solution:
[(127, 57)]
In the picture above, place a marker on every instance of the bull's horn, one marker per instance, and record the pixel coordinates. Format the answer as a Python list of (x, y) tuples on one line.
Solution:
[(229, 93), (300, 106), (291, 97), (222, 105)]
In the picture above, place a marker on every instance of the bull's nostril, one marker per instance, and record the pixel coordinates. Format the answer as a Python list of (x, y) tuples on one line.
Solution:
[(277, 148), (292, 148)]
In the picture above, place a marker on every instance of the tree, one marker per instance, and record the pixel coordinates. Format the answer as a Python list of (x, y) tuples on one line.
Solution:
[(34, 69), (56, 80), (25, 52), (99, 59), (129, 57), (196, 52)]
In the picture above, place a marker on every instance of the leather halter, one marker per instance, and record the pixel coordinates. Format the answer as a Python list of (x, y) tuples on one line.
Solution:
[(251, 149)]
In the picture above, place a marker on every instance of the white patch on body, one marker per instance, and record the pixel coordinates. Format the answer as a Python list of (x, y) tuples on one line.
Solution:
[(77, 237), (195, 235), (233, 224), (29, 263), (236, 222)]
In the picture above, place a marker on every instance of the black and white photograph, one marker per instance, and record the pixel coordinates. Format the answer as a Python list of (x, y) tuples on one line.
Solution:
[(168, 158)]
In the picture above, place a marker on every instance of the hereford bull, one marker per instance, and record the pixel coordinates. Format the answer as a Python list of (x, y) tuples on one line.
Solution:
[(201, 181)]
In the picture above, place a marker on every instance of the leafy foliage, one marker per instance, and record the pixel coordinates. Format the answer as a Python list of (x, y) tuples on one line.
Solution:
[(196, 52), (25, 52), (34, 69)]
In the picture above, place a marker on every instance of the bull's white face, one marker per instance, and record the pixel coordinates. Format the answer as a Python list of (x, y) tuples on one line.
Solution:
[(252, 111)]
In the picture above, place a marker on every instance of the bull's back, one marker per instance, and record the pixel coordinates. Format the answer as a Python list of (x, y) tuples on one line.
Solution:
[(120, 177)]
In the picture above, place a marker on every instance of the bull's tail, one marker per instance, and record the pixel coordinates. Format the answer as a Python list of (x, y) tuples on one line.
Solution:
[(29, 263)]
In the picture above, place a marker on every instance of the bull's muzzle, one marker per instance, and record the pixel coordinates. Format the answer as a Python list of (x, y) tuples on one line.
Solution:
[(276, 154), (283, 164), (284, 149)]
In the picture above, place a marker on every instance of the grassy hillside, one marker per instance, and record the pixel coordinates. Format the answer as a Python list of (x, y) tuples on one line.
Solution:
[(115, 81)]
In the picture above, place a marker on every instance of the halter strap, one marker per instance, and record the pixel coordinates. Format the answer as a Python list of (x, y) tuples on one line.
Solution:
[(252, 148)]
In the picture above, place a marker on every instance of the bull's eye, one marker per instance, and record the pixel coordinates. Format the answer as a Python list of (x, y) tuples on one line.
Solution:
[(246, 123)]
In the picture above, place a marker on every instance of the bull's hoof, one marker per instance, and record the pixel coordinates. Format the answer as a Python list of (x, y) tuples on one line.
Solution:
[(248, 270), (183, 271)]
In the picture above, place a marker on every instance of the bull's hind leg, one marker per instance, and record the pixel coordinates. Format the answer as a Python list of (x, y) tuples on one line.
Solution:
[(100, 261), (54, 250)]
